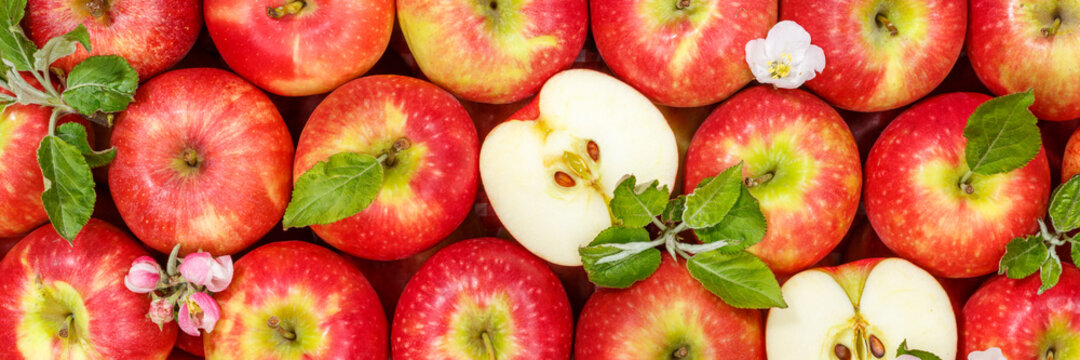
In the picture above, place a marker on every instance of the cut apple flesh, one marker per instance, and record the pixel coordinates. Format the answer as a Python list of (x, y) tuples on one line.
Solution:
[(549, 179), (898, 301)]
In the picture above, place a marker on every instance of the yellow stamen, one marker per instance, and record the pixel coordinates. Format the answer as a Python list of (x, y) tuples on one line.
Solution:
[(780, 69)]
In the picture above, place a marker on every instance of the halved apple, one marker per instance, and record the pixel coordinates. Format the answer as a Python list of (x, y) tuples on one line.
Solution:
[(861, 310), (550, 170)]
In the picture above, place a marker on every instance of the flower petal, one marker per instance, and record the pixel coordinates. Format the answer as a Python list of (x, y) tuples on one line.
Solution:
[(196, 268), (757, 60), (210, 310), (143, 276), (988, 354), (814, 59), (184, 320), (786, 37), (222, 273)]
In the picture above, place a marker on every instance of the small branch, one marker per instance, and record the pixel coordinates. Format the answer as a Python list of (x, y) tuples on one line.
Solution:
[(52, 121), (700, 248), (659, 224)]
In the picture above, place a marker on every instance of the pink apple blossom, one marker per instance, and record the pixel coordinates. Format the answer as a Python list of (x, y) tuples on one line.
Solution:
[(143, 276), (161, 311), (202, 269), (199, 311)]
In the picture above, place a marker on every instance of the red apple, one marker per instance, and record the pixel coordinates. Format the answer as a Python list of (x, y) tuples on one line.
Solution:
[(208, 172), (800, 161), (493, 51), (300, 47), (880, 55), (426, 192), (1010, 315), (916, 204), (480, 299), (295, 300), (152, 35), (684, 123), (190, 344), (1016, 45), (682, 53), (1070, 161), (667, 316), (68, 301)]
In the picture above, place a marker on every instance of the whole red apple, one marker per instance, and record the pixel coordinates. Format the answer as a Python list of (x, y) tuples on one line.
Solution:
[(493, 51), (682, 53), (1010, 314), (68, 301), (1016, 45), (152, 35), (293, 300), (800, 162), (667, 316), (300, 47), (918, 206), (480, 299), (203, 160), (880, 55), (427, 191)]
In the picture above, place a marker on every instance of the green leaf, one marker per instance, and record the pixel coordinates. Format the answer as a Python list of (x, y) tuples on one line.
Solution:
[(75, 134), (101, 83), (740, 279), (15, 48), (1049, 272), (69, 186), (1065, 206), (1002, 135), (743, 226), (11, 11), (674, 209), (335, 189), (922, 355), (1075, 252), (624, 272), (712, 198), (1023, 257), (637, 205), (61, 46)]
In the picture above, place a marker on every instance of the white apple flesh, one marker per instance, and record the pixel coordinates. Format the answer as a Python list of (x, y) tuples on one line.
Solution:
[(862, 310), (550, 170)]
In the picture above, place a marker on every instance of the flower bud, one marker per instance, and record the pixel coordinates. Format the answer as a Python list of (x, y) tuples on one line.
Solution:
[(161, 311), (143, 276)]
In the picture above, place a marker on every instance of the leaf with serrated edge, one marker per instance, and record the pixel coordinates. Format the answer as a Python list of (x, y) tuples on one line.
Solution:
[(740, 279), (11, 11), (921, 354), (637, 205), (1049, 272), (1075, 252), (1002, 134), (75, 134), (712, 198), (620, 273), (69, 186), (61, 46), (335, 189), (743, 226), (101, 83), (1065, 206), (673, 212), (1023, 257), (16, 49)]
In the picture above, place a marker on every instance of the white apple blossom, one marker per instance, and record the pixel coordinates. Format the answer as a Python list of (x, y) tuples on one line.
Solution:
[(988, 354), (785, 58)]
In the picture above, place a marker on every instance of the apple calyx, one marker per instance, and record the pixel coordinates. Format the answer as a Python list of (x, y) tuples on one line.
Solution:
[(883, 21), (1002, 136), (1026, 255), (682, 4), (274, 323), (97, 8), (724, 216), (292, 7)]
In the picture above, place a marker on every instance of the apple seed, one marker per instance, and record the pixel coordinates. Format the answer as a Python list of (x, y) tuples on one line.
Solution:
[(564, 179), (842, 352), (593, 150), (876, 347)]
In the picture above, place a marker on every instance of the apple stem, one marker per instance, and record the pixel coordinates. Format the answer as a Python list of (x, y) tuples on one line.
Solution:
[(680, 353), (755, 181), (1049, 32), (682, 4), (274, 323), (389, 158), (887, 24), (489, 348), (965, 183), (64, 332), (290, 8), (191, 158), (1050, 354)]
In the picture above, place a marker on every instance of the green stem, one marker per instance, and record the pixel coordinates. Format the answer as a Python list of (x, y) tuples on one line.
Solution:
[(52, 121), (965, 183), (489, 348), (659, 224), (758, 180), (274, 323), (1049, 32), (887, 24), (65, 329)]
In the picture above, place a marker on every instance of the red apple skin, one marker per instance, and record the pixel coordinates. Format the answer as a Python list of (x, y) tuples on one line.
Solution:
[(867, 69), (1010, 315), (1070, 162), (465, 46), (431, 190), (191, 344), (917, 211), (811, 202), (21, 184), (327, 44), (94, 266), (1010, 54), (693, 58), (152, 35), (635, 323), (314, 284), (239, 187), (500, 279)]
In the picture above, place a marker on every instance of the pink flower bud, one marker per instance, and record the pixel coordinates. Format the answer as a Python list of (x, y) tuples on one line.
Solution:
[(143, 276), (202, 269), (161, 311), (199, 311)]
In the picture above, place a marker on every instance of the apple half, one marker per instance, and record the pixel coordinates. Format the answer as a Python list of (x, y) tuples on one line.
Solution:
[(550, 170), (861, 310)]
